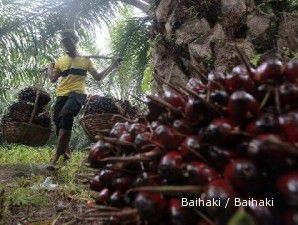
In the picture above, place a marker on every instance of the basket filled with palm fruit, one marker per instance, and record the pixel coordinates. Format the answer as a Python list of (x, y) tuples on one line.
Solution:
[(101, 113), (218, 151), (26, 121)]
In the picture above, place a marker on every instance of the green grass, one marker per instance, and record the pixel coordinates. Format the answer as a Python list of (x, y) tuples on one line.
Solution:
[(19, 154), (19, 195)]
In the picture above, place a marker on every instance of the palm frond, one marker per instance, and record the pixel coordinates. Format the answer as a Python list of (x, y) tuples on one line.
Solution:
[(129, 40)]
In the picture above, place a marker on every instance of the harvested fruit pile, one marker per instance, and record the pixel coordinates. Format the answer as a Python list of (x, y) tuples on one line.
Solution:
[(21, 111), (127, 109), (29, 95), (226, 136), (99, 104)]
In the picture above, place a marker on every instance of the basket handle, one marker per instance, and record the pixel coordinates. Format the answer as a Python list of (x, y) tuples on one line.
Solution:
[(40, 85), (35, 106)]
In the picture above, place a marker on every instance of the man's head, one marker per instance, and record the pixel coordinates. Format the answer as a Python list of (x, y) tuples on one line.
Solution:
[(69, 39)]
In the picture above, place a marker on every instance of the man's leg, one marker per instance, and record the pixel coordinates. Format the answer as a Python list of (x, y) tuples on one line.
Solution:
[(65, 120), (62, 145), (60, 103)]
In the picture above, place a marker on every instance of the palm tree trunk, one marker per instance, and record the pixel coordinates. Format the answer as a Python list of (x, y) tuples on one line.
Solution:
[(192, 36)]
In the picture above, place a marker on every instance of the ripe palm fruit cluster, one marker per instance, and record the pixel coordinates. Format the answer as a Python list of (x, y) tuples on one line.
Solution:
[(21, 111), (29, 95), (127, 109), (227, 136), (100, 104)]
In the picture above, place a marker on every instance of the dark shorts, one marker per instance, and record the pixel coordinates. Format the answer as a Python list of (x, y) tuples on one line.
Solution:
[(66, 108)]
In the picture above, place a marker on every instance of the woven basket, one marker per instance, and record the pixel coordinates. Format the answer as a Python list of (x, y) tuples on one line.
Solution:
[(99, 124), (25, 133)]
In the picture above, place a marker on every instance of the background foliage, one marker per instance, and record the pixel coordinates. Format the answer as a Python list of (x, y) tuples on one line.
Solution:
[(29, 41)]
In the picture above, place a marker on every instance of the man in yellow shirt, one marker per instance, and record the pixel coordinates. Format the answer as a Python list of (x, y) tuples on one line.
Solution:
[(71, 69)]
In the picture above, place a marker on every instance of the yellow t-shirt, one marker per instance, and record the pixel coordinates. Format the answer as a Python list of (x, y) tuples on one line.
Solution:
[(74, 71)]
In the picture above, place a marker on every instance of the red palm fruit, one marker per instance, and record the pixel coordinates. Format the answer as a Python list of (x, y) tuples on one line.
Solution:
[(151, 166), (154, 124), (242, 106), (180, 215), (219, 131), (262, 91), (143, 139), (119, 129), (239, 79), (288, 93), (106, 177), (267, 123), (219, 189), (200, 174), (289, 124), (122, 183), (183, 127), (262, 215), (116, 199), (290, 217), (147, 179), (167, 137), (270, 70), (103, 197), (196, 112), (216, 80), (190, 145), (287, 185), (151, 207), (251, 128), (126, 137), (95, 183), (175, 99), (98, 151), (268, 150), (155, 110), (244, 175), (170, 166), (137, 128), (291, 71), (165, 118), (219, 97), (219, 157), (196, 85)]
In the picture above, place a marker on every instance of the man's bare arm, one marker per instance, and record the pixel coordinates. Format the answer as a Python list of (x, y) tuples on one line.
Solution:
[(52, 74), (101, 75)]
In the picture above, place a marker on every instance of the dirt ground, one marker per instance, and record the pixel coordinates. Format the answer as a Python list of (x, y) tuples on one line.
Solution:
[(59, 208)]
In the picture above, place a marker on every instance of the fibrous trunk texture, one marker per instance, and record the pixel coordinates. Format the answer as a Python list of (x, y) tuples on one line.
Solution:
[(193, 36)]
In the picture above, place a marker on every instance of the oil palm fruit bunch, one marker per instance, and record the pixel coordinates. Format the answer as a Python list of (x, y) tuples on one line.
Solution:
[(6, 119), (20, 111), (229, 137), (43, 119), (127, 109), (28, 94), (100, 104)]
